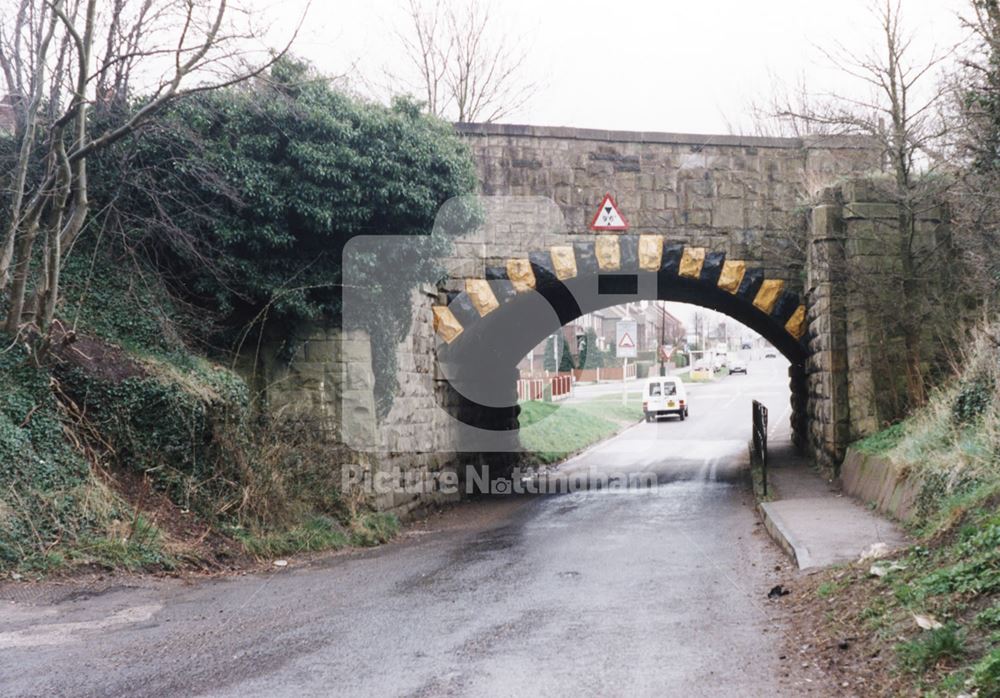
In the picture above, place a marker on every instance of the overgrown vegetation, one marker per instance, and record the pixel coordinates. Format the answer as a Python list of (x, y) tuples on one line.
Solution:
[(98, 415), (951, 578), (54, 509), (950, 582), (214, 227), (952, 445)]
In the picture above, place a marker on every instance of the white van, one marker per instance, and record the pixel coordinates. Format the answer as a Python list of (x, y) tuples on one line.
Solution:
[(664, 395)]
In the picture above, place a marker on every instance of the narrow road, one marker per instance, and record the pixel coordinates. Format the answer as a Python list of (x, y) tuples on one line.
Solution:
[(654, 592)]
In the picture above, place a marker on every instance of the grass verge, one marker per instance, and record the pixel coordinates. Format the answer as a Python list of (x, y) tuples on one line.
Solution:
[(553, 431)]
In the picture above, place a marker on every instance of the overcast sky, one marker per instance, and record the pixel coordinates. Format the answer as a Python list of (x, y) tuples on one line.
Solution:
[(666, 65)]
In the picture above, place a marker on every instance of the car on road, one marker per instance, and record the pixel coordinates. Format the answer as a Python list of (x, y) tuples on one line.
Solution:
[(738, 366), (663, 396)]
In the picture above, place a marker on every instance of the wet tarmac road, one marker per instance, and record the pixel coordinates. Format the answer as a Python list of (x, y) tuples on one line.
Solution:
[(655, 591)]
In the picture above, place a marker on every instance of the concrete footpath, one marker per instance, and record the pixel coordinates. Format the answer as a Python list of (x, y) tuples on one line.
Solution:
[(813, 520)]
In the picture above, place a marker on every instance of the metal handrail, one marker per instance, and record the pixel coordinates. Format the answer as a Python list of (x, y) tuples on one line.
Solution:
[(758, 447)]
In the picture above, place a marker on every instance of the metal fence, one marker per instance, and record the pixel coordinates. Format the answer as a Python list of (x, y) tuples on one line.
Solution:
[(758, 446)]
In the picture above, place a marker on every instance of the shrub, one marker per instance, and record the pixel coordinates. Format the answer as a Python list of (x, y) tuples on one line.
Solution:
[(932, 648), (251, 222), (989, 619)]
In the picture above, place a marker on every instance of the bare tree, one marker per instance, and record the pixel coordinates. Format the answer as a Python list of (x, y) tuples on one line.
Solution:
[(901, 115), (975, 111), (429, 51), (64, 62), (468, 69), (784, 112)]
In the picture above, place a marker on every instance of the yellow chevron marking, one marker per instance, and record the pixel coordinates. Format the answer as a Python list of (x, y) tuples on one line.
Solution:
[(768, 295), (796, 325), (446, 324), (732, 275), (482, 296), (650, 252), (521, 275), (608, 252), (563, 261), (691, 262)]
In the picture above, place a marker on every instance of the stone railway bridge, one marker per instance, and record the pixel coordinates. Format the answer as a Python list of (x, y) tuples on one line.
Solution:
[(761, 229)]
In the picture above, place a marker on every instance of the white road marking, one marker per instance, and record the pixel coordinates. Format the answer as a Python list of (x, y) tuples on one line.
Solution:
[(778, 422)]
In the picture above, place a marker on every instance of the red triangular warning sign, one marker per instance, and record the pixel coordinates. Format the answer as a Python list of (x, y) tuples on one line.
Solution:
[(608, 217), (626, 342)]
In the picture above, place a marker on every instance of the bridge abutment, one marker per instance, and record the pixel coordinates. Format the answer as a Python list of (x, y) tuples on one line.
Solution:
[(873, 279)]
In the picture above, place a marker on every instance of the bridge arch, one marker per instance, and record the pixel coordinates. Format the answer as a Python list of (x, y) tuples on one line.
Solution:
[(492, 322)]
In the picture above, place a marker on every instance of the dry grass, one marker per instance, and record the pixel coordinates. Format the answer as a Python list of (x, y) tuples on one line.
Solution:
[(953, 444)]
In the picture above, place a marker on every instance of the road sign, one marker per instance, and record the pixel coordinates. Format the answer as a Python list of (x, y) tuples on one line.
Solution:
[(625, 333), (608, 216)]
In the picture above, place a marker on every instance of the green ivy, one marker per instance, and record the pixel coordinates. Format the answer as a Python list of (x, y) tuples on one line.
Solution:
[(42, 479), (973, 399), (185, 435), (978, 571)]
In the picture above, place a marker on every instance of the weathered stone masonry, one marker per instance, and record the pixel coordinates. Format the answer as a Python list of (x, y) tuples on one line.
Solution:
[(725, 204), (856, 367)]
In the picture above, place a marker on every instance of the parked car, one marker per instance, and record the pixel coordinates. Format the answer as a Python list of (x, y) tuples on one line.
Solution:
[(663, 396), (737, 366)]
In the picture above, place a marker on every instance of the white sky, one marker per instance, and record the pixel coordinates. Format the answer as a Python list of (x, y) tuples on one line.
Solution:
[(669, 65)]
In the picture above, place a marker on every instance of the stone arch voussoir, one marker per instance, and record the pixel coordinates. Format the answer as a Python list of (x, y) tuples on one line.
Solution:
[(615, 264)]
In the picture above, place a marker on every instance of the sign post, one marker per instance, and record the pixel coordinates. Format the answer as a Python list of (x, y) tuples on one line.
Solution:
[(625, 333)]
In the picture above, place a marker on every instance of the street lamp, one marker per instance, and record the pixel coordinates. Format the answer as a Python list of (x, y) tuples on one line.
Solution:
[(659, 349)]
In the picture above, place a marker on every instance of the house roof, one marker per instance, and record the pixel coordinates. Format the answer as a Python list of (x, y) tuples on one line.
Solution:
[(647, 311)]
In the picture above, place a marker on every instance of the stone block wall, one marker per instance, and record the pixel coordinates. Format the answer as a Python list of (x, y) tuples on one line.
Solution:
[(319, 375), (327, 383), (736, 194), (826, 369), (857, 372)]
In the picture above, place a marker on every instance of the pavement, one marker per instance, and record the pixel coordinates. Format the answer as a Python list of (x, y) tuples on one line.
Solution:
[(813, 520), (657, 589)]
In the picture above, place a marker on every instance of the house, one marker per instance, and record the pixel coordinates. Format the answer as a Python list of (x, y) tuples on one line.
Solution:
[(650, 316), (656, 325)]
